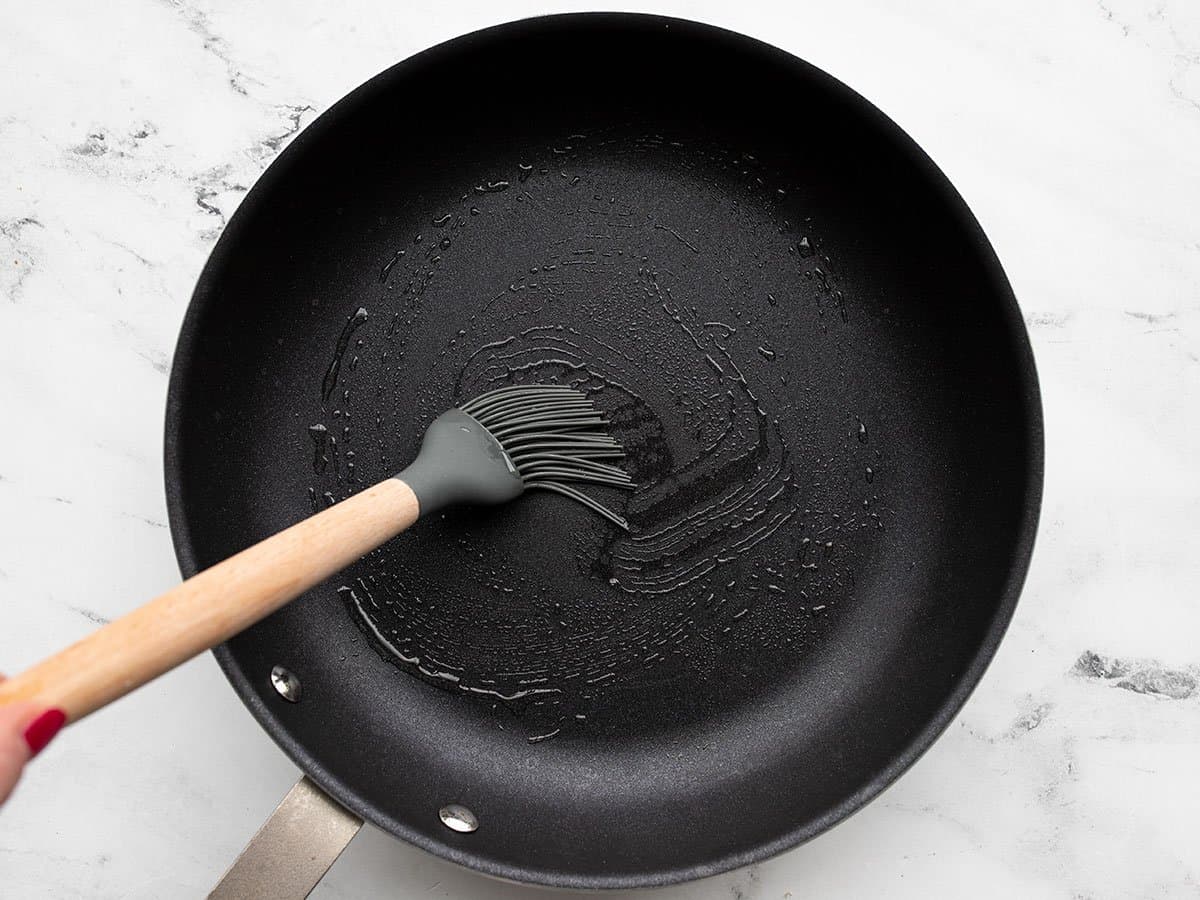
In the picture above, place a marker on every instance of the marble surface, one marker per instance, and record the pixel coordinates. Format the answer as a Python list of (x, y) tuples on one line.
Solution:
[(129, 132)]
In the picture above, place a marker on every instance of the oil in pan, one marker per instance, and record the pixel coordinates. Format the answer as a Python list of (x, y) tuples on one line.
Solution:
[(744, 536)]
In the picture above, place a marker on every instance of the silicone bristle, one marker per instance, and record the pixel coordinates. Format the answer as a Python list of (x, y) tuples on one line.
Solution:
[(555, 437)]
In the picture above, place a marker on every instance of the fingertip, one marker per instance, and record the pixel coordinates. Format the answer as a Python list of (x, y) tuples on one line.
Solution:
[(14, 750)]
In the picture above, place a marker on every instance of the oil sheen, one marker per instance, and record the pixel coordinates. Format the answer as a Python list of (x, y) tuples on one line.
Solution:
[(755, 496)]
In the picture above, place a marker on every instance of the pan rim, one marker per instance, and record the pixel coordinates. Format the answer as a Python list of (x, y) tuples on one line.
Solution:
[(1025, 534)]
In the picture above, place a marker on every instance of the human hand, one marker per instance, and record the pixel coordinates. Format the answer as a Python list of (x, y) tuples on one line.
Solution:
[(24, 730)]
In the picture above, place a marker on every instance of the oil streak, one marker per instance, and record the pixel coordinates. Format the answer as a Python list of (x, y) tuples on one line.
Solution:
[(331, 374), (679, 237)]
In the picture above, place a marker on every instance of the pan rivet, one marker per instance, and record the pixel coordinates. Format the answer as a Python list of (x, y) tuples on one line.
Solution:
[(457, 817), (286, 684)]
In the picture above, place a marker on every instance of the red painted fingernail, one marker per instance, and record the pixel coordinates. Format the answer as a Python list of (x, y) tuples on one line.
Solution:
[(42, 729)]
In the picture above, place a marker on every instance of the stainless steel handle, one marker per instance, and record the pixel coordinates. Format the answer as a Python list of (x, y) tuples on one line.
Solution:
[(293, 850)]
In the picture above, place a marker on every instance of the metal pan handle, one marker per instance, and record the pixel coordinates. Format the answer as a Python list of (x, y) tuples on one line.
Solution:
[(293, 850)]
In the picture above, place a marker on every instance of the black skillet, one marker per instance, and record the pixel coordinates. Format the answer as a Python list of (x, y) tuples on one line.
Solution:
[(797, 327)]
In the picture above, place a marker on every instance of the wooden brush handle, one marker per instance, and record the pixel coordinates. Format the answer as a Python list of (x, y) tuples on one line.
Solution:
[(214, 605)]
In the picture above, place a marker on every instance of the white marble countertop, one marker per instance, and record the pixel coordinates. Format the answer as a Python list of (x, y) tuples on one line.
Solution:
[(129, 131)]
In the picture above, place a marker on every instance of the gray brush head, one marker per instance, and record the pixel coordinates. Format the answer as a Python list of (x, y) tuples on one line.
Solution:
[(492, 448)]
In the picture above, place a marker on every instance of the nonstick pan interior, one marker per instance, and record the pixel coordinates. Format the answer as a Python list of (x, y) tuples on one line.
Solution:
[(799, 332)]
